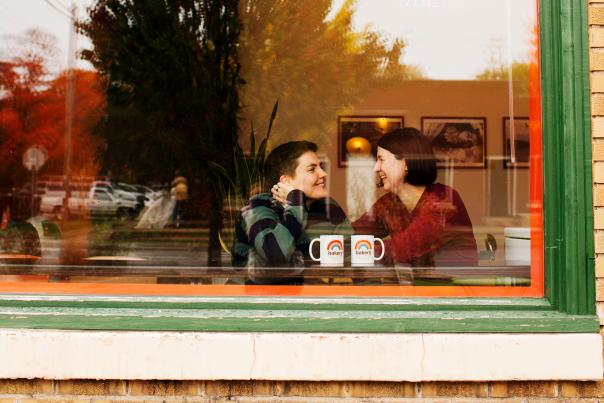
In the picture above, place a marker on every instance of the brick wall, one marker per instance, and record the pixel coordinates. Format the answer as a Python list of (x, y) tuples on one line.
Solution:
[(266, 391), (596, 65), (596, 62), (596, 42)]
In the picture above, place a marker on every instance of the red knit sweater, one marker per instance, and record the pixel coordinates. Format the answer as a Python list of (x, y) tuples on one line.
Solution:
[(438, 232)]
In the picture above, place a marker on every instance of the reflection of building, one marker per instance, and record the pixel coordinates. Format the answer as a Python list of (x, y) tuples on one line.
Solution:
[(488, 100)]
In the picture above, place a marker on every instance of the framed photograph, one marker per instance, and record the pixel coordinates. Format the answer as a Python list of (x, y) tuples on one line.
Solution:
[(359, 134), (516, 152), (458, 142)]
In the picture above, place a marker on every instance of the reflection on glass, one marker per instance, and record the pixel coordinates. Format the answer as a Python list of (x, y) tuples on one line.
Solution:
[(214, 142)]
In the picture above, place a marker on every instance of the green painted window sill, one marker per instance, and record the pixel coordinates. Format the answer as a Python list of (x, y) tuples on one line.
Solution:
[(363, 315)]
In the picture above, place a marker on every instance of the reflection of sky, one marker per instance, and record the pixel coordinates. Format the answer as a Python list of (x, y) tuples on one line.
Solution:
[(448, 39), (452, 39), (16, 16)]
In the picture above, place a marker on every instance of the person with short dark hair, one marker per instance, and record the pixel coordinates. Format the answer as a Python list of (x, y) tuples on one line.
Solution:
[(276, 226), (427, 222)]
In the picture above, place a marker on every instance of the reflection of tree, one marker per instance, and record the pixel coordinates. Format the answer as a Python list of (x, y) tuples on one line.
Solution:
[(519, 73), (314, 66), (32, 110), (499, 70), (89, 103), (172, 74)]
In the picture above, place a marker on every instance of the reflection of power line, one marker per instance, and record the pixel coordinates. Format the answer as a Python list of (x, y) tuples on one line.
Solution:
[(60, 11), (62, 5)]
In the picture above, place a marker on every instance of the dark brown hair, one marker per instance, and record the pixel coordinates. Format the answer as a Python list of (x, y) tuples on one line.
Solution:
[(411, 145), (283, 160)]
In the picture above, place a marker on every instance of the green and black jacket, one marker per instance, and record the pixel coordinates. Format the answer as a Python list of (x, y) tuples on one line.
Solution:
[(270, 235)]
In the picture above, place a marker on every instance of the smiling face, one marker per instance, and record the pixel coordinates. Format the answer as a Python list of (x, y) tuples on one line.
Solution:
[(309, 176), (390, 170)]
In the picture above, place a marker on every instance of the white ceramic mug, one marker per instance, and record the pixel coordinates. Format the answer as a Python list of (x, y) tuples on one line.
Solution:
[(362, 250), (331, 250)]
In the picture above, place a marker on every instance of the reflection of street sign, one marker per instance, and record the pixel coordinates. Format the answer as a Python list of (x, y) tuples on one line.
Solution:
[(34, 158)]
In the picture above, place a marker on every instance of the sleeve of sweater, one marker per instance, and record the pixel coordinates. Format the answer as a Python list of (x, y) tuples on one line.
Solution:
[(272, 237), (371, 223)]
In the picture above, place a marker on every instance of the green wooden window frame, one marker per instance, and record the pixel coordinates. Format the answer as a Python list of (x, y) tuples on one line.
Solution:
[(569, 302)]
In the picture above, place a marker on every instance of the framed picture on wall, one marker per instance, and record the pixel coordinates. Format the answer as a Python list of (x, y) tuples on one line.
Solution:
[(458, 142), (516, 151), (358, 135)]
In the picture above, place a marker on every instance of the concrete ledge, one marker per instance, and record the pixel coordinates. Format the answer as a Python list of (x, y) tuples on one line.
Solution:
[(60, 354)]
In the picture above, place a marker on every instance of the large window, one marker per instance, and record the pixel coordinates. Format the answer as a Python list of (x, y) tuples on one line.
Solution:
[(108, 130), (273, 148)]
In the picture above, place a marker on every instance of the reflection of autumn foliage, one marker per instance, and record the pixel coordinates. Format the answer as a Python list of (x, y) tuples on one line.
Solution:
[(89, 104), (32, 112), (313, 61)]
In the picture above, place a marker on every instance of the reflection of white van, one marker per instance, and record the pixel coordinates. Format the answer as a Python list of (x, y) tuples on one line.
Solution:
[(118, 193), (103, 202), (98, 201)]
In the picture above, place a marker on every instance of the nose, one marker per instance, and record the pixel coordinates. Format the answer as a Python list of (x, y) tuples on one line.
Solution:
[(377, 167), (322, 173)]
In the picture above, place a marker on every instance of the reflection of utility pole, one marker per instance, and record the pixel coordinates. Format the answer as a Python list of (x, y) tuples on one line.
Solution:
[(69, 102), (511, 108)]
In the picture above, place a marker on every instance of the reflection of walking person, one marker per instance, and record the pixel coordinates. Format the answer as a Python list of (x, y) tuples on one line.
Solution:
[(159, 213), (180, 192)]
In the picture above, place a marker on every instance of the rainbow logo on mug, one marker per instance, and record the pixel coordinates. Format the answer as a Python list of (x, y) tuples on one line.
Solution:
[(335, 248), (363, 247)]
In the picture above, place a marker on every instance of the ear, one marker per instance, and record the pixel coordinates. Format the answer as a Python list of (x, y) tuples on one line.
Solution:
[(284, 179)]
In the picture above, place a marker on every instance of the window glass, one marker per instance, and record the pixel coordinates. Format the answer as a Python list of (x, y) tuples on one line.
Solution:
[(272, 147)]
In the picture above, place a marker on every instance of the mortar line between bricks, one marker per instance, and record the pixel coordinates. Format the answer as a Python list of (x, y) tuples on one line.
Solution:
[(92, 398), (318, 399), (285, 399), (17, 396)]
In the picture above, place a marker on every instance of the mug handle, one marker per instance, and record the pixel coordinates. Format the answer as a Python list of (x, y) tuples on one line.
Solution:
[(310, 250), (383, 249)]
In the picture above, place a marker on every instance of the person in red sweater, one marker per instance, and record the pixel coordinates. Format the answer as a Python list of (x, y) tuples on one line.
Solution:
[(426, 222)]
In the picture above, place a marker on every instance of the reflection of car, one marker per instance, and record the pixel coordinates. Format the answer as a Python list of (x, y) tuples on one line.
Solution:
[(49, 235), (26, 189), (99, 201), (18, 238), (140, 196), (118, 193), (148, 192), (103, 202)]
